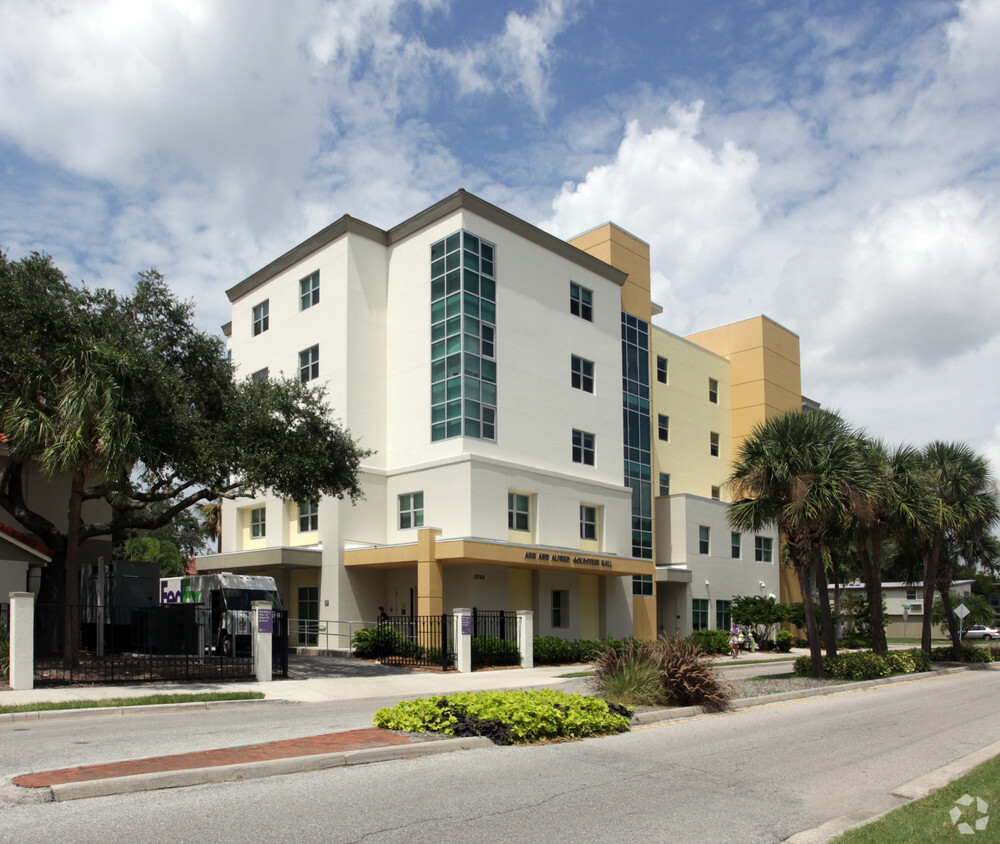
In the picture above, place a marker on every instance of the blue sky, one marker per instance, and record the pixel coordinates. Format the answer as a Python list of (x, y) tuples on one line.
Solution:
[(831, 164)]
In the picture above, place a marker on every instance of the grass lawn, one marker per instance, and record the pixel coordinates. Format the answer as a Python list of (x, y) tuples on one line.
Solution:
[(149, 700), (931, 819)]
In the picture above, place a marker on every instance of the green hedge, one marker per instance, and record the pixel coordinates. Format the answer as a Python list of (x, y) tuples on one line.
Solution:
[(711, 641), (489, 651), (972, 653), (865, 665)]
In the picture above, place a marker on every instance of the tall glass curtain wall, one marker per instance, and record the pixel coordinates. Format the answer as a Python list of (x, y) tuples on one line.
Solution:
[(463, 338), (638, 455)]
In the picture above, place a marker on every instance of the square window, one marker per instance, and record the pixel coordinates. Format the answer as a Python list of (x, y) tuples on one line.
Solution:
[(663, 427), (723, 619), (588, 522), (259, 376), (661, 370), (735, 540), (518, 511), (716, 492), (582, 374), (699, 613), (308, 516), (309, 291), (642, 584), (260, 317), (258, 523), (560, 608), (581, 301), (411, 510), (309, 364), (583, 448), (713, 444), (762, 546), (713, 391), (664, 483), (704, 535)]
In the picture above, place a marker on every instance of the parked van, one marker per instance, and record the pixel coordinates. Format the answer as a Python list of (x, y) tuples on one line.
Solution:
[(224, 602)]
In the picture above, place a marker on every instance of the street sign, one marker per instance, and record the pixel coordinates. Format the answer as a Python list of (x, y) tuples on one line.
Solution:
[(961, 610)]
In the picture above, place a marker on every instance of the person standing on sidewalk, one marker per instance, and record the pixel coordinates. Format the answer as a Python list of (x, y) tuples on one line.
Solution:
[(734, 642)]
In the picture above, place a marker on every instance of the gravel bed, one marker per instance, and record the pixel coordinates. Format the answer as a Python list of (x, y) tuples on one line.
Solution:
[(776, 685)]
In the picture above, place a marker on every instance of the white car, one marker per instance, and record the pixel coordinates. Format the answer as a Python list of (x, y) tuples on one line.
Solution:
[(979, 631)]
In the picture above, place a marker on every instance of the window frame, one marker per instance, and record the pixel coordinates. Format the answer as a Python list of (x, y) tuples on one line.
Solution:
[(581, 301), (735, 545), (662, 370), (713, 390), (763, 546), (560, 609), (309, 291), (588, 510), (581, 374), (663, 427), (584, 447), (515, 512), (259, 376), (412, 512), (309, 364), (258, 523), (716, 493), (713, 443), (642, 584), (704, 540), (261, 317), (723, 614), (664, 483), (699, 613), (309, 513)]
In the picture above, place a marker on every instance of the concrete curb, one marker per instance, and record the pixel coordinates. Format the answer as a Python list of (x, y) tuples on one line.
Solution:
[(134, 709), (231, 773)]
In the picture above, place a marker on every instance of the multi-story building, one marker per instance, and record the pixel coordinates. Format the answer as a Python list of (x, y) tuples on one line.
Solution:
[(528, 451)]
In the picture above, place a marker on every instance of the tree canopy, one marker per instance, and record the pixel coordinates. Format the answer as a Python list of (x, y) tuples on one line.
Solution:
[(141, 410)]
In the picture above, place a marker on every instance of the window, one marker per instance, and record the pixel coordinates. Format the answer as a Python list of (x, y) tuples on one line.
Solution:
[(581, 301), (308, 516), (704, 534), (583, 448), (661, 370), (582, 374), (699, 614), (259, 375), (663, 427), (914, 594), (309, 291), (309, 364), (560, 608), (723, 620), (642, 584), (735, 545), (411, 510), (518, 511), (762, 549), (716, 493), (664, 483), (258, 523), (713, 391), (588, 522), (713, 444), (260, 318)]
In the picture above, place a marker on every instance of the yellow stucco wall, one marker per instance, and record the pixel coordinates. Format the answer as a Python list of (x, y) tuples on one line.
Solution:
[(590, 607), (520, 595), (625, 252)]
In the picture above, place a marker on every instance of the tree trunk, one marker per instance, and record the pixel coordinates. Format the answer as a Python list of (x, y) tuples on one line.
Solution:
[(932, 554), (812, 628), (872, 566), (71, 606), (823, 598), (952, 620)]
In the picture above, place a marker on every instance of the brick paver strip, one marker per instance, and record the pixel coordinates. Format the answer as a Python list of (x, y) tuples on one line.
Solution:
[(309, 746)]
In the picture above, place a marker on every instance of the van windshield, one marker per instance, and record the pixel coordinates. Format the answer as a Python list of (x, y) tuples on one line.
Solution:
[(240, 599)]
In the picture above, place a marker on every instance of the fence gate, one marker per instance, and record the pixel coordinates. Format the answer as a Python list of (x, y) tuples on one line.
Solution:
[(279, 645), (494, 638), (416, 640)]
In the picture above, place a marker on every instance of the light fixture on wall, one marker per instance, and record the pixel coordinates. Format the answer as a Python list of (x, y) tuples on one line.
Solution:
[(707, 583), (762, 585)]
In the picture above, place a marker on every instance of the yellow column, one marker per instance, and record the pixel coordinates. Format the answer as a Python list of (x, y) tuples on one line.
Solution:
[(644, 616), (430, 585)]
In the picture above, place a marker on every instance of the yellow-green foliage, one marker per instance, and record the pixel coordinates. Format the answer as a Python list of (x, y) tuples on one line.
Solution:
[(531, 715)]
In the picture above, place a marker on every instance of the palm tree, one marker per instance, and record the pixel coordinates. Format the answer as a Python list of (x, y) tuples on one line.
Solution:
[(211, 512), (898, 504), (963, 511), (803, 472)]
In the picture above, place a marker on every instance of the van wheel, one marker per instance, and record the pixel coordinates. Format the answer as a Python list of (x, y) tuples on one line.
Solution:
[(225, 644)]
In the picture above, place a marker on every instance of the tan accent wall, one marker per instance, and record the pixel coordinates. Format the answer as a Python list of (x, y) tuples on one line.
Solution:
[(520, 592), (430, 581), (590, 607), (644, 616), (765, 370), (625, 252)]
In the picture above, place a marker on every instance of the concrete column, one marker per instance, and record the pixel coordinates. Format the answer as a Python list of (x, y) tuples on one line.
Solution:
[(430, 581), (463, 640), (22, 641), (263, 624), (526, 637)]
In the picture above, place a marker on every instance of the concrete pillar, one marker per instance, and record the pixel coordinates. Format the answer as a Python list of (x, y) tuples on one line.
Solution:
[(430, 580), (22, 641), (263, 625), (463, 640), (526, 637)]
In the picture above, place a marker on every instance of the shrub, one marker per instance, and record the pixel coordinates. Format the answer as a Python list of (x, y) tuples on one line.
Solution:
[(900, 662), (381, 641), (629, 675), (855, 640), (863, 665), (921, 661), (972, 653), (489, 650), (803, 666), (688, 679), (551, 650), (994, 651), (711, 641), (783, 640), (506, 717)]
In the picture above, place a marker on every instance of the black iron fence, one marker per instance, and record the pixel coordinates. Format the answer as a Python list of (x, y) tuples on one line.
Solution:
[(422, 641), (494, 638), (172, 642)]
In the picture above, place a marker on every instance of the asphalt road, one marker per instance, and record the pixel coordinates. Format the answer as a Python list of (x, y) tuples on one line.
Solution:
[(756, 775)]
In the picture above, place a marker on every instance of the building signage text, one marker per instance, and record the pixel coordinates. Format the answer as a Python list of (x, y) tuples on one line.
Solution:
[(566, 558)]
